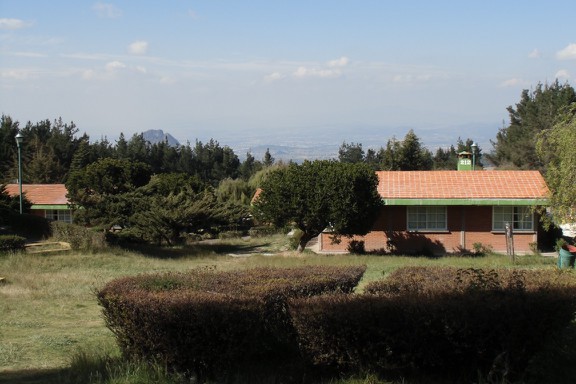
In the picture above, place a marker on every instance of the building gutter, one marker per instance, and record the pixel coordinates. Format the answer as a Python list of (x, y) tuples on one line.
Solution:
[(486, 202)]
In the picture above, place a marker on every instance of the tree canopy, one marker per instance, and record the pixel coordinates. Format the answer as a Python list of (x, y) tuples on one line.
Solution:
[(557, 145), (537, 111), (318, 195)]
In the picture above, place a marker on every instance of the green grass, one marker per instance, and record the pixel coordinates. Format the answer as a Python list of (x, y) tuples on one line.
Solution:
[(51, 325)]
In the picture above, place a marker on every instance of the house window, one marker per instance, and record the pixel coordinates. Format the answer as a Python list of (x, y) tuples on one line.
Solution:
[(59, 215), (521, 218), (427, 218)]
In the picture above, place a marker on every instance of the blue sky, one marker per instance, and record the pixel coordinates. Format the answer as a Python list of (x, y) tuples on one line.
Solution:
[(226, 69)]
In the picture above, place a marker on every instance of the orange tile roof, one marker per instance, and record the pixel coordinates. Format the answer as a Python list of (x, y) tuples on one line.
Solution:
[(462, 185), (41, 194)]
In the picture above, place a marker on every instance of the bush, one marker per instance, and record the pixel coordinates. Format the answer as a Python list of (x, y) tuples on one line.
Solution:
[(204, 321), (79, 237), (438, 322), (29, 225), (230, 235), (11, 243)]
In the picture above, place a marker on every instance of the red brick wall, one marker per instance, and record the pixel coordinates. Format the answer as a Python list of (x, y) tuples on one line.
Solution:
[(467, 225)]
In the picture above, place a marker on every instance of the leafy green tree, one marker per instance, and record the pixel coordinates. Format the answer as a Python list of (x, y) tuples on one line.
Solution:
[(388, 157), (268, 160), (249, 167), (13, 202), (238, 191), (351, 153), (215, 163), (537, 111), (90, 187), (412, 156), (8, 149), (121, 147), (319, 195), (168, 217), (557, 146)]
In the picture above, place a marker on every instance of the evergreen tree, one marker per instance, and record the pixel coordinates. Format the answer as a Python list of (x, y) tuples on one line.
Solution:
[(268, 159), (537, 111), (351, 153)]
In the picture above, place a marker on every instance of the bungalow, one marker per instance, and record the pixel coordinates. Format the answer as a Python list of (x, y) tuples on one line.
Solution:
[(452, 211), (48, 200)]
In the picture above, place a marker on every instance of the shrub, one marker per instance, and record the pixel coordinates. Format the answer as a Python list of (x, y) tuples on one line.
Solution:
[(29, 225), (202, 320), (11, 243), (451, 322), (230, 235), (79, 237)]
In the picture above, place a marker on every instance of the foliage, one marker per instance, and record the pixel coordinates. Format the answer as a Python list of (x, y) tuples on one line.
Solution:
[(448, 323), (318, 195), (166, 218), (537, 111), (557, 145), (351, 153), (90, 187), (26, 225), (11, 243), (79, 237), (13, 202), (238, 316)]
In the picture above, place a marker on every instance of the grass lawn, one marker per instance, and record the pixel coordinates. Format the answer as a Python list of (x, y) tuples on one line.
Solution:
[(49, 315)]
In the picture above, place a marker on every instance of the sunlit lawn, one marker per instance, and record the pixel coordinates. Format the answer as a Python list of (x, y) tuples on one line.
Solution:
[(48, 312)]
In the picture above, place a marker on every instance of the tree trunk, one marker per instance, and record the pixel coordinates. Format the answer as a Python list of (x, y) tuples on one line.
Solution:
[(304, 239)]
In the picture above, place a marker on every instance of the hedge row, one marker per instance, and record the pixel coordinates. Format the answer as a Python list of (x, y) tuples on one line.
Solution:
[(12, 243), (202, 321), (435, 322), (438, 322)]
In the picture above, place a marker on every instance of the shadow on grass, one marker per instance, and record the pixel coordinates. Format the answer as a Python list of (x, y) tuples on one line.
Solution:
[(31, 376), (205, 248)]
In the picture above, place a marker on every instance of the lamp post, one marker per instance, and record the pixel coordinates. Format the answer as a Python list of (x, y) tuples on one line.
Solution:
[(19, 141), (474, 147)]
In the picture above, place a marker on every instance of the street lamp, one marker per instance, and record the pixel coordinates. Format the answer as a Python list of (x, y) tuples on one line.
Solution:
[(474, 147), (19, 141)]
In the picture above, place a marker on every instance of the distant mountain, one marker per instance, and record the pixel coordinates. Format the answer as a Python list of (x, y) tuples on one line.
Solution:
[(157, 136)]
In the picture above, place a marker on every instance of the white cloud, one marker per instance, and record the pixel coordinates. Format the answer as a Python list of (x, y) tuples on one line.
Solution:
[(115, 65), (563, 74), (514, 82), (567, 53), (411, 78), (18, 74), (341, 62), (138, 47), (107, 10), (535, 54), (274, 77), (11, 24), (192, 14), (302, 72)]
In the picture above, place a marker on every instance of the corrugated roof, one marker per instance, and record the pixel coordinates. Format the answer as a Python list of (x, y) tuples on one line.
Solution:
[(41, 194), (462, 185)]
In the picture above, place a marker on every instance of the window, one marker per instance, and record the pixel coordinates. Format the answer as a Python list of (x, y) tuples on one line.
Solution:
[(59, 215), (521, 218), (427, 218)]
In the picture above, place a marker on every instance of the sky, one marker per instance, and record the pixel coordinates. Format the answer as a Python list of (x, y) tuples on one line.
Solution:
[(341, 70)]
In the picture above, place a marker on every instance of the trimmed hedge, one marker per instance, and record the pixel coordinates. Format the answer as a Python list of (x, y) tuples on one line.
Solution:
[(12, 243), (203, 321), (438, 322)]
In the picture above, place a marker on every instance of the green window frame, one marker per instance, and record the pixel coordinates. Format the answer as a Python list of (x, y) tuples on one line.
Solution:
[(520, 217), (427, 218)]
